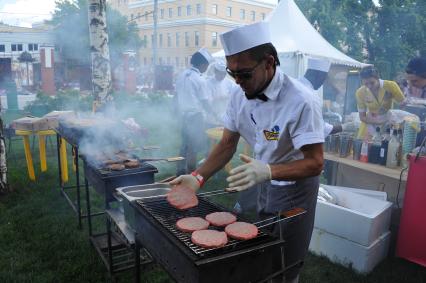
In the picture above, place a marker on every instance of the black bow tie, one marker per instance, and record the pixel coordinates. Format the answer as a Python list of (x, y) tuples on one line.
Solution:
[(260, 96)]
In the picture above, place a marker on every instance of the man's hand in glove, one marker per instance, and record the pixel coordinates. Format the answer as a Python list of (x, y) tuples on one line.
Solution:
[(186, 180), (247, 175)]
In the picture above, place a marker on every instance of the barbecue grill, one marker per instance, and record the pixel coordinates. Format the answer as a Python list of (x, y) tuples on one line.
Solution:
[(239, 261)]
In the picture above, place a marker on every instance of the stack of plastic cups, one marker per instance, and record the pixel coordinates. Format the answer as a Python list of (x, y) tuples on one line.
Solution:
[(408, 139)]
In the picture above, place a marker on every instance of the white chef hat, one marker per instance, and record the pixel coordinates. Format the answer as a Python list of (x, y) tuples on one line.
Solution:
[(319, 64), (206, 54), (220, 66), (245, 37)]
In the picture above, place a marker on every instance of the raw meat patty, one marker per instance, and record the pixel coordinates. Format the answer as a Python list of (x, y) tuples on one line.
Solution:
[(182, 197), (209, 238), (241, 230), (221, 219), (191, 224)]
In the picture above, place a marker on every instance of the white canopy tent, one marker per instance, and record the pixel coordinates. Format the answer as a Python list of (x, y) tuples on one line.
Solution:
[(296, 39)]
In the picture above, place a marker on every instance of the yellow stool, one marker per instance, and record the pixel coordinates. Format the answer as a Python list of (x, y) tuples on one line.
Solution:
[(215, 134), (42, 151)]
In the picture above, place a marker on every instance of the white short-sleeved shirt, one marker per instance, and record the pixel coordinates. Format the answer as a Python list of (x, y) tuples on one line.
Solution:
[(191, 90), (219, 93), (278, 128)]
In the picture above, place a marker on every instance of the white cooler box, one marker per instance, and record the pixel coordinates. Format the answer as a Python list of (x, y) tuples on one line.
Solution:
[(350, 254), (369, 193), (357, 217)]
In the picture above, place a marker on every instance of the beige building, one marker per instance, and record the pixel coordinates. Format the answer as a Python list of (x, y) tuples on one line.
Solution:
[(184, 26)]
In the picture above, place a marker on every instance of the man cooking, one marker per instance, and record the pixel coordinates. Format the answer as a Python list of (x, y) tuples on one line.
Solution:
[(315, 76), (193, 105), (281, 120)]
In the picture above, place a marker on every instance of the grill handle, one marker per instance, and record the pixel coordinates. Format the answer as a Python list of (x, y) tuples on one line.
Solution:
[(283, 215)]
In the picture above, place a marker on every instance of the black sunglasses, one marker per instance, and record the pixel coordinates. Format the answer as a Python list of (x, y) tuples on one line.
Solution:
[(243, 75)]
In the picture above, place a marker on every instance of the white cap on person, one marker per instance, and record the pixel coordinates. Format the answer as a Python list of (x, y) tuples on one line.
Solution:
[(206, 54), (319, 64), (243, 38)]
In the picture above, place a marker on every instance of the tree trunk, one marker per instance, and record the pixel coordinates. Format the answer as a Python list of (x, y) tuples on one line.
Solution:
[(101, 70), (28, 76), (3, 164)]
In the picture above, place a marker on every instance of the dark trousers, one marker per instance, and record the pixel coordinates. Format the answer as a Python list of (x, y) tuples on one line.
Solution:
[(295, 232), (193, 141)]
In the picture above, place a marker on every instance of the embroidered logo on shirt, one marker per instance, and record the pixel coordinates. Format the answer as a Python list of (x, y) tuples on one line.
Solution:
[(273, 134)]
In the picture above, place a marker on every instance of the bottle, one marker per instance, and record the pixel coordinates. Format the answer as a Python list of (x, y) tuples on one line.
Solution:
[(384, 147), (374, 149), (364, 151), (393, 151)]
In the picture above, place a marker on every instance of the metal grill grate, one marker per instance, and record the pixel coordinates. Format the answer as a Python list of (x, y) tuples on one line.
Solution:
[(167, 216)]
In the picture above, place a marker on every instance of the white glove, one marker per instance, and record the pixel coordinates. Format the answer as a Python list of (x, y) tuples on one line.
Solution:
[(186, 180), (247, 175)]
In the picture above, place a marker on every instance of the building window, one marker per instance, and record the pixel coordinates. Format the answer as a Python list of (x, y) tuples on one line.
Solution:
[(186, 39), (168, 60), (177, 39), (263, 16), (139, 16), (131, 17), (2, 48), (253, 16), (160, 60), (179, 11), (188, 10), (16, 47), (169, 40), (197, 38), (152, 40), (229, 11), (32, 46), (146, 16), (144, 61), (170, 12), (186, 61), (161, 13), (214, 38), (161, 40), (198, 9), (177, 61), (214, 9), (242, 14), (145, 41)]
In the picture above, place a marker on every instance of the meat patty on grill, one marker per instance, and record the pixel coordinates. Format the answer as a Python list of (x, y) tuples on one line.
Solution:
[(191, 224), (209, 238), (182, 197), (131, 164), (221, 219), (241, 230), (116, 167)]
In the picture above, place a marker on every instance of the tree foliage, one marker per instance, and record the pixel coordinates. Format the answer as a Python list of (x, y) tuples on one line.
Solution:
[(72, 32), (386, 33)]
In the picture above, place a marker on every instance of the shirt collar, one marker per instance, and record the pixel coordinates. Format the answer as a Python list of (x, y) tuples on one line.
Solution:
[(381, 83), (275, 85)]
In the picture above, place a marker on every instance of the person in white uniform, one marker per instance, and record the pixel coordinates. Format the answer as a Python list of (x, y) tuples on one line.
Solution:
[(281, 120), (193, 105), (219, 88), (315, 76)]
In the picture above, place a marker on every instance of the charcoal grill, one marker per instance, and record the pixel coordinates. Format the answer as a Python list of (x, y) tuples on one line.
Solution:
[(239, 261)]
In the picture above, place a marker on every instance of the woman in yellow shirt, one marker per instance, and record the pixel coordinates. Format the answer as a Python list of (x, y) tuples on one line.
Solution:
[(374, 99)]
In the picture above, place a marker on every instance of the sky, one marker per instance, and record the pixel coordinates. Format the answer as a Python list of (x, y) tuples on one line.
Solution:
[(25, 12)]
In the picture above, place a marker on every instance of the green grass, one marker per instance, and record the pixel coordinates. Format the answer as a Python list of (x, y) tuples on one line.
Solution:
[(40, 242)]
